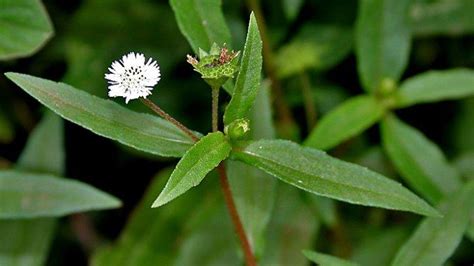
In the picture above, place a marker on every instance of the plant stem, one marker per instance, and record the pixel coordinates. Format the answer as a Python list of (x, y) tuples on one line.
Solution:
[(234, 215), (166, 116), (239, 228), (215, 109), (309, 104), (282, 107)]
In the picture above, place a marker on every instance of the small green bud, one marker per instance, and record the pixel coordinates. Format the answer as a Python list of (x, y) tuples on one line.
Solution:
[(238, 129), (217, 66), (387, 87)]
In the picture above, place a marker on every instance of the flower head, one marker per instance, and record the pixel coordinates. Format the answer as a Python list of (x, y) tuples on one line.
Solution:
[(132, 78), (217, 66)]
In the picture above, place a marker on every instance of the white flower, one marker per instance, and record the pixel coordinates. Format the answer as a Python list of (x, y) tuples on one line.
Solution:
[(132, 78)]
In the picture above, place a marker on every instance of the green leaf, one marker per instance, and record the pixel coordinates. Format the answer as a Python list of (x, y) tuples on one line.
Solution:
[(29, 239), (291, 8), (465, 165), (325, 209), (420, 162), (451, 17), (379, 247), (316, 172), (326, 260), (106, 118), (198, 161), (293, 227), (382, 41), (436, 86), (436, 239), (6, 129), (316, 46), (27, 195), (248, 81), (201, 22), (24, 28), (345, 121)]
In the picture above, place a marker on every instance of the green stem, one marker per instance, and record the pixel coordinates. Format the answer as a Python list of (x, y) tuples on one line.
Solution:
[(215, 109)]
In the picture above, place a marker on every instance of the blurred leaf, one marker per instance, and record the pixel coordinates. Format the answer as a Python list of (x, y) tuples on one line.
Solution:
[(379, 247), (27, 195), (44, 151), (315, 47), (291, 8), (201, 22), (106, 118), (326, 260), (436, 86), (196, 163), (382, 41), (151, 235), (453, 17), (347, 120), (463, 127), (6, 129), (435, 239), (375, 159), (465, 165), (316, 172), (24, 28), (29, 239), (291, 229), (248, 80), (420, 162), (325, 210)]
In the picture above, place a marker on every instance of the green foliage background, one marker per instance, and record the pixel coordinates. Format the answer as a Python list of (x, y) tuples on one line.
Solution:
[(342, 67)]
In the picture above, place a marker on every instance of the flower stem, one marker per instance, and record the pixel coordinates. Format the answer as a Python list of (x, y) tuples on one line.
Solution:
[(166, 116), (215, 109), (234, 215)]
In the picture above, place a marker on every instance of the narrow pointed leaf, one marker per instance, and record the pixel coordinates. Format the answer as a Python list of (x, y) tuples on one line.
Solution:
[(326, 260), (201, 22), (434, 86), (27, 195), (24, 27), (316, 172), (248, 80), (420, 162), (435, 239), (382, 40), (346, 121), (198, 161), (29, 239), (106, 118)]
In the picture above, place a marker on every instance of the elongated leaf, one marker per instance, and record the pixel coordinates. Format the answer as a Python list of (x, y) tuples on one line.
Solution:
[(465, 165), (201, 22), (24, 27), (436, 239), (26, 195), (326, 260), (316, 172), (450, 17), (106, 118), (420, 162), (291, 8), (436, 86), (382, 40), (252, 189), (198, 161), (287, 237), (29, 239), (379, 247), (347, 120), (248, 81), (315, 46)]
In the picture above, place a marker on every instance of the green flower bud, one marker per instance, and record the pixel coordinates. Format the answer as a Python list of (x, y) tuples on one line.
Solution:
[(238, 129), (387, 87), (217, 66)]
